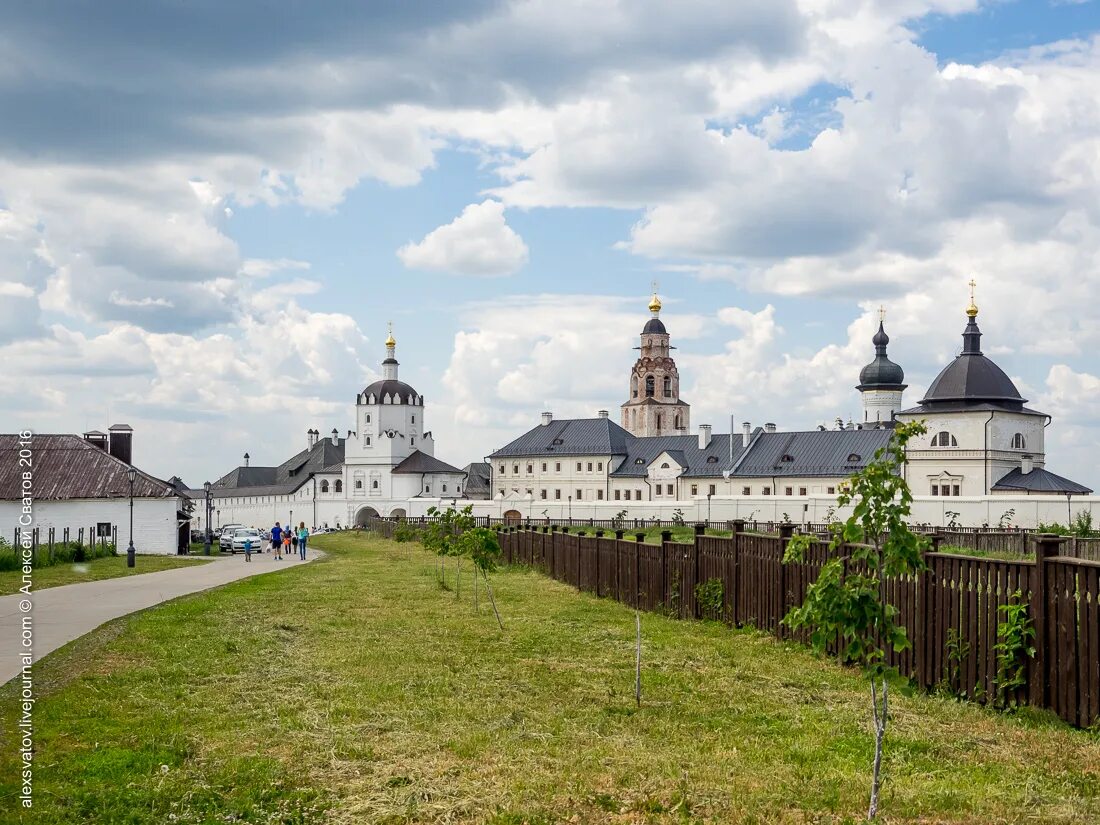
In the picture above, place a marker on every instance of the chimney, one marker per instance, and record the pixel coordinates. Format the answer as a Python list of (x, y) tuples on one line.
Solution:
[(769, 428), (246, 457), (1026, 464), (96, 438), (602, 413), (746, 433), (547, 417), (335, 437), (309, 439), (704, 436), (840, 423), (121, 442)]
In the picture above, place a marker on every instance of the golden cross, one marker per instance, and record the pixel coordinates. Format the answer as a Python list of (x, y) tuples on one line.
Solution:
[(973, 284)]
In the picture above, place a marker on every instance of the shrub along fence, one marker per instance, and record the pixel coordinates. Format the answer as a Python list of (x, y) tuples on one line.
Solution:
[(51, 546), (952, 612)]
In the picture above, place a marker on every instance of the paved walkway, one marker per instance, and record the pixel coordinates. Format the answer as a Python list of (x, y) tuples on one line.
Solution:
[(61, 614)]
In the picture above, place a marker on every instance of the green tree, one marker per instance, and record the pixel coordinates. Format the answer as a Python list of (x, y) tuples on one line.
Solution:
[(483, 549), (847, 601)]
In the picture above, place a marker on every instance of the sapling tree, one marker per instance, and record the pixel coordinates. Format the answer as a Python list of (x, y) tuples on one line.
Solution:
[(483, 548), (848, 600)]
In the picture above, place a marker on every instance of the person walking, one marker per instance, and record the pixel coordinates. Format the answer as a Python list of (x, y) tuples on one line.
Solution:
[(293, 541), (276, 538), (248, 549), (303, 534), (286, 541)]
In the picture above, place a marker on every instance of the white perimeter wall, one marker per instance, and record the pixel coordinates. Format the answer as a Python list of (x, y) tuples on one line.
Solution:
[(154, 520), (973, 512)]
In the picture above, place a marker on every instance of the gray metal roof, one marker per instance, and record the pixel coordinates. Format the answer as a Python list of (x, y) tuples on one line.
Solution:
[(68, 467), (324, 456), (477, 479), (972, 378), (813, 453), (569, 436), (684, 449), (419, 462), (1040, 481)]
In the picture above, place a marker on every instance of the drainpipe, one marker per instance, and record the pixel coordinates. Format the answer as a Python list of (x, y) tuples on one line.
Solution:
[(985, 490), (315, 501)]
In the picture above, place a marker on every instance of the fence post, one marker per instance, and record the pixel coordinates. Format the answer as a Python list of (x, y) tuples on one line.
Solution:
[(922, 646), (618, 535), (1046, 546)]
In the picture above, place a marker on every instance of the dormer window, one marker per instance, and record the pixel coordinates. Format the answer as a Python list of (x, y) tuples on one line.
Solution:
[(944, 439), (854, 458), (639, 461), (664, 465), (1018, 442), (787, 457), (712, 459)]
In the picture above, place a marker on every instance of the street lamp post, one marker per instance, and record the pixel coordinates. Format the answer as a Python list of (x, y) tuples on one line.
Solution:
[(209, 506), (131, 551), (708, 505)]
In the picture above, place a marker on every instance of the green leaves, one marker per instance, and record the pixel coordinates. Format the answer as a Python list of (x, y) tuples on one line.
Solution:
[(1014, 647), (846, 606), (483, 548)]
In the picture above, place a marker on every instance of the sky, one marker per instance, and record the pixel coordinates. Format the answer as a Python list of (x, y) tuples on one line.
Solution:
[(209, 212)]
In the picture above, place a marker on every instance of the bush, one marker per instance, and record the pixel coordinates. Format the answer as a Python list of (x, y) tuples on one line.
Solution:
[(65, 552)]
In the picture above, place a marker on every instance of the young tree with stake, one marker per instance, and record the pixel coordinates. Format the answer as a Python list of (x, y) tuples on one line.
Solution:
[(848, 599)]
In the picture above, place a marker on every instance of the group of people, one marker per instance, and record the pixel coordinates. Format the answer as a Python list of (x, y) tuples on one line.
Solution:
[(284, 540)]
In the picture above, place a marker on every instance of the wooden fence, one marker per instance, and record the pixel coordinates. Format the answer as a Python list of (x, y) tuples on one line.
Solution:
[(43, 542), (951, 611)]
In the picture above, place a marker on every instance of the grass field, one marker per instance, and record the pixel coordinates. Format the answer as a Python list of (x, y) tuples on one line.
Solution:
[(355, 690), (109, 567)]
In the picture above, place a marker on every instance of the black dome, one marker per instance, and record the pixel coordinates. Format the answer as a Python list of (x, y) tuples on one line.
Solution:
[(882, 373), (380, 389), (973, 378), (654, 325)]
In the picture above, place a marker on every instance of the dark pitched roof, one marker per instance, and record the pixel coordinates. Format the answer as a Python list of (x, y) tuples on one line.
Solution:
[(380, 389), (684, 449), (1040, 481), (813, 453), (477, 478), (324, 456), (569, 436), (68, 467), (419, 462)]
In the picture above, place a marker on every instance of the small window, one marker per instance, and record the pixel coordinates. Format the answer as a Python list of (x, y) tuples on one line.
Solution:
[(530, 468), (502, 469), (338, 486), (374, 484), (626, 495), (412, 420), (368, 440), (767, 491), (358, 484), (649, 386), (935, 489), (515, 469), (427, 488), (695, 489), (618, 495), (788, 491), (528, 491), (103, 530), (639, 461), (658, 490), (444, 488), (544, 466), (580, 494), (830, 490), (324, 486), (637, 495), (787, 458), (412, 440), (368, 418), (712, 459), (854, 458), (944, 439), (599, 495), (713, 489), (1018, 442), (668, 487), (578, 466), (502, 491), (557, 494), (664, 465), (746, 491), (589, 466), (600, 466), (558, 441), (802, 491), (667, 386), (557, 466), (542, 494)]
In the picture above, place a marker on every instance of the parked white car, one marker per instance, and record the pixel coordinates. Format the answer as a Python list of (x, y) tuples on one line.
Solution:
[(240, 536)]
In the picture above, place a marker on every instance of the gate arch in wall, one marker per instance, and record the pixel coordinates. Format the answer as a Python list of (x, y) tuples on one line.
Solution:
[(512, 516), (364, 514), (398, 512)]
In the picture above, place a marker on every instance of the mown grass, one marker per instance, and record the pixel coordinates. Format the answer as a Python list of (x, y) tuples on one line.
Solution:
[(109, 567), (355, 690)]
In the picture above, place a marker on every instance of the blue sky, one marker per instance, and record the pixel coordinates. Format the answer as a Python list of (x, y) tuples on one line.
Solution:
[(200, 234)]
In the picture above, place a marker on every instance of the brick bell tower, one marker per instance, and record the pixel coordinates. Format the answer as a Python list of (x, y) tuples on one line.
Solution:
[(654, 406)]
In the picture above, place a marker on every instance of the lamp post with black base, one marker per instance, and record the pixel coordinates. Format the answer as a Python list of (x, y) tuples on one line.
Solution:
[(209, 507), (131, 551)]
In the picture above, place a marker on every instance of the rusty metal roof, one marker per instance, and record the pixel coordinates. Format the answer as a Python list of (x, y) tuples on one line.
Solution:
[(68, 467)]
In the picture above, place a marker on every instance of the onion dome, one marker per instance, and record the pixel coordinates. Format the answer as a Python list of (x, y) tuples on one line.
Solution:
[(401, 392), (655, 304), (882, 373), (654, 325)]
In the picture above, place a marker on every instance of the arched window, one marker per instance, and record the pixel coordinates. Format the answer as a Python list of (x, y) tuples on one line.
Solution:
[(1018, 442), (324, 486), (712, 459), (358, 484), (338, 486), (658, 422), (649, 386), (668, 386), (374, 484), (368, 418), (634, 386), (854, 458), (944, 439), (676, 423), (664, 465)]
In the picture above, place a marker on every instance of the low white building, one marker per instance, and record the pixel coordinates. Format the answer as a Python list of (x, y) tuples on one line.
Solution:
[(66, 482)]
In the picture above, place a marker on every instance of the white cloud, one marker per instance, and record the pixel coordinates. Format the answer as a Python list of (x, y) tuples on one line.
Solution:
[(478, 242)]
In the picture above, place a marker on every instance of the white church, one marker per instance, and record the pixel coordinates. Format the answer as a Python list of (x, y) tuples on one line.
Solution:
[(378, 468)]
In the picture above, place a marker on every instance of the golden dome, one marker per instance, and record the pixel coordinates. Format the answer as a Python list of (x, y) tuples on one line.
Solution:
[(390, 342), (654, 304), (972, 310)]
